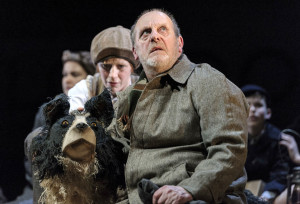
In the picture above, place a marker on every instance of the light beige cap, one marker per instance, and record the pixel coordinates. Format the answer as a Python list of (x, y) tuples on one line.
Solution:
[(113, 42)]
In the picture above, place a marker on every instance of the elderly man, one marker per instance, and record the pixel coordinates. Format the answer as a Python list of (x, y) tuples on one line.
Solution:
[(186, 122)]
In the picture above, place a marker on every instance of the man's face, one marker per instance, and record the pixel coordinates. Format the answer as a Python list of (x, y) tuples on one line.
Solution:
[(259, 112), (156, 45), (115, 74)]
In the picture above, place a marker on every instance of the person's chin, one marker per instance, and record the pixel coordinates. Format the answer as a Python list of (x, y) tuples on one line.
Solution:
[(161, 58), (157, 61), (66, 90), (254, 124), (115, 90)]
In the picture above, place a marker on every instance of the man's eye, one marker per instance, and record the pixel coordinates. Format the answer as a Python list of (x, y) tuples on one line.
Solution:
[(145, 33), (106, 67), (163, 30), (121, 66), (258, 105), (64, 123), (148, 31)]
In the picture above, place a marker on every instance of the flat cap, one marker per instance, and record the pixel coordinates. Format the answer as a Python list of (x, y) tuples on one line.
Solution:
[(250, 89), (113, 42)]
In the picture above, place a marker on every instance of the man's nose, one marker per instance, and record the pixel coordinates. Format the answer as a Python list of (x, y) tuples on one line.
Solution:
[(155, 36), (252, 108), (113, 72)]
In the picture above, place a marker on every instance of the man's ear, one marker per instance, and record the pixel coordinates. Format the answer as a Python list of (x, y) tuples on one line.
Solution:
[(180, 44), (269, 114), (136, 57)]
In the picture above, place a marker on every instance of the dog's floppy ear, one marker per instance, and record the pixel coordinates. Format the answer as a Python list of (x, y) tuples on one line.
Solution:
[(101, 107), (56, 108)]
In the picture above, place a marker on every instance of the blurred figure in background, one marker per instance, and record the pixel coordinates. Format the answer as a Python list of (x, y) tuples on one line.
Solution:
[(76, 66), (290, 138), (265, 159)]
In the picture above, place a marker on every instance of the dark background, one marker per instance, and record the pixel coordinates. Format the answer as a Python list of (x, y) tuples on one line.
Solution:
[(249, 41)]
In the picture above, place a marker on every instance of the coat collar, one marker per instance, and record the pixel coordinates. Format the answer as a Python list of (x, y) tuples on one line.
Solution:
[(180, 73), (182, 70)]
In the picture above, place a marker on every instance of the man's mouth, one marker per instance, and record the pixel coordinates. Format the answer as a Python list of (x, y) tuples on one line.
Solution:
[(113, 84), (252, 118), (155, 49)]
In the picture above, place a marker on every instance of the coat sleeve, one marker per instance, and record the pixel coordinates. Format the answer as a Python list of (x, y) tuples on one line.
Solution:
[(223, 113)]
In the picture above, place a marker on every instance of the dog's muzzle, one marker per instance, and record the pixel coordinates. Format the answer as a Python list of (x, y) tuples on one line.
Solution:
[(80, 143)]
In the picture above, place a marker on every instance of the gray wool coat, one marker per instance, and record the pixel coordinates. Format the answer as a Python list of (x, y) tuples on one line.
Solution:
[(188, 129)]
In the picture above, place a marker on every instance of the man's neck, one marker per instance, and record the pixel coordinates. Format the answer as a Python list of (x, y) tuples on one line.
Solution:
[(255, 132), (152, 72)]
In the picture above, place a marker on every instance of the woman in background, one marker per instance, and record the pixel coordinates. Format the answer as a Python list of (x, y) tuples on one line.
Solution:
[(76, 67)]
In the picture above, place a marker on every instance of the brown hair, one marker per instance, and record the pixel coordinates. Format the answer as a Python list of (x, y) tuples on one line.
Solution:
[(81, 57)]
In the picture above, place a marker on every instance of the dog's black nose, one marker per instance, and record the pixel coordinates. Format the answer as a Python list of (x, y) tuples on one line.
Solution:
[(81, 126)]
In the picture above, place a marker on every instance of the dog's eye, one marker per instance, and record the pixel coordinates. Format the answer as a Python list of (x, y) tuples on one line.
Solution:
[(64, 123), (93, 124)]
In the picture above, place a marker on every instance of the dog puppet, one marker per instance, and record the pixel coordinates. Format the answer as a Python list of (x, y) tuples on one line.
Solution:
[(73, 158)]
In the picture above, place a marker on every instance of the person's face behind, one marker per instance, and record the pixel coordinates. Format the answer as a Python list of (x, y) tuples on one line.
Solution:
[(156, 44), (259, 112), (72, 73), (115, 74)]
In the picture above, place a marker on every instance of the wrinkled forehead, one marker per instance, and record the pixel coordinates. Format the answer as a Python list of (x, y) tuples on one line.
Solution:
[(153, 19)]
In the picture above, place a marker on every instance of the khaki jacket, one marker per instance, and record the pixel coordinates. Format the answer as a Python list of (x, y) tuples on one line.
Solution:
[(190, 131)]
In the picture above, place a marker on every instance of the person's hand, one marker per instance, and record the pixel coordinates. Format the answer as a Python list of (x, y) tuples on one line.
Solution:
[(80, 109), (263, 199), (291, 145), (268, 196), (171, 195)]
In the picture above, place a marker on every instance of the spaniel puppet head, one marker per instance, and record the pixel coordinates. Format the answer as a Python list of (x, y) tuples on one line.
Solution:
[(74, 159)]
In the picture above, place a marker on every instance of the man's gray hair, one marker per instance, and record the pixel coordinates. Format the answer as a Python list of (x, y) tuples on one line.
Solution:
[(175, 25)]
